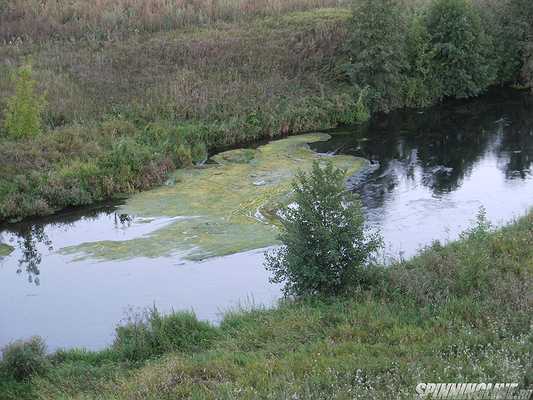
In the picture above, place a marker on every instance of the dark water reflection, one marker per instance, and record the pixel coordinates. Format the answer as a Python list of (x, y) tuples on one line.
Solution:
[(430, 173), (435, 168)]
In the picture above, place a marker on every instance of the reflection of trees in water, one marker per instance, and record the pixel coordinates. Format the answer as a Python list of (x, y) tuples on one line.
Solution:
[(32, 239), (443, 143), (29, 242), (515, 149)]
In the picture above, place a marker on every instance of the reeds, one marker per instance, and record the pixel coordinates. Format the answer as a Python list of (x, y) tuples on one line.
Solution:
[(40, 20)]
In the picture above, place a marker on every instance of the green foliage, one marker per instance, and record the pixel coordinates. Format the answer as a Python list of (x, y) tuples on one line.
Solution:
[(422, 87), (24, 359), (24, 109), (325, 246), (362, 114), (460, 48), (125, 162), (153, 334), (477, 267), (376, 51)]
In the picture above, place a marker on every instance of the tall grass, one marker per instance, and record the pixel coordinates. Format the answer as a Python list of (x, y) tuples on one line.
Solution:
[(88, 19)]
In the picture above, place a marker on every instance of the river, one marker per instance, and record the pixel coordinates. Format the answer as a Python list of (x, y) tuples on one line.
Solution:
[(431, 171)]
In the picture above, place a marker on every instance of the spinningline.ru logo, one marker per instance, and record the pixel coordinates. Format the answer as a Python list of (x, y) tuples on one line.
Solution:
[(467, 391)]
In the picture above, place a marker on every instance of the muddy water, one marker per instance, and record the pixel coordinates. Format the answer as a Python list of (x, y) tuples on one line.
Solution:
[(430, 173)]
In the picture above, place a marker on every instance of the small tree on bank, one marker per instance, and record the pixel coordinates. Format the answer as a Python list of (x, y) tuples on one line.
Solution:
[(325, 246), (24, 109)]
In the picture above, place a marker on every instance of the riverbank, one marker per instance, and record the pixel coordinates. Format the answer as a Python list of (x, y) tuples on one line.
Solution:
[(454, 313), (122, 114), (103, 99)]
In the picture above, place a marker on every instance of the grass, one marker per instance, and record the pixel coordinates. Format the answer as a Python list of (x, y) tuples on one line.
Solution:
[(124, 112), (459, 312)]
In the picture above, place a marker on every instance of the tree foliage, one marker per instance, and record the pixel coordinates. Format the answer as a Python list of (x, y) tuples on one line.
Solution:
[(461, 49), (24, 109), (325, 245), (376, 51)]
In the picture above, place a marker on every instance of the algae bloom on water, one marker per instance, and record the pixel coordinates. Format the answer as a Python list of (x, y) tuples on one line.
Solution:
[(225, 207), (5, 250)]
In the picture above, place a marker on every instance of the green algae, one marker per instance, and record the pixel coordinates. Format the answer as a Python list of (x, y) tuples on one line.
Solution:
[(222, 208), (5, 250)]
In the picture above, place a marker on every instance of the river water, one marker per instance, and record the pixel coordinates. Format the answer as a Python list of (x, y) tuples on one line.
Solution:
[(431, 172)]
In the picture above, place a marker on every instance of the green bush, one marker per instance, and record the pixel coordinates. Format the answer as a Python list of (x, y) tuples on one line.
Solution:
[(422, 87), (24, 109), (361, 113), (325, 246), (125, 162), (23, 359), (376, 51), (461, 51), (153, 334)]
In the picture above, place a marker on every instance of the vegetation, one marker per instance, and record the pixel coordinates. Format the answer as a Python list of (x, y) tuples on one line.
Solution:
[(325, 246), (456, 312), (135, 89), (460, 48), (24, 109), (376, 53), (22, 359)]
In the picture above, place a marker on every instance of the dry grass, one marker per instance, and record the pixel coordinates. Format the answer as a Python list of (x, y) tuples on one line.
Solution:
[(103, 19)]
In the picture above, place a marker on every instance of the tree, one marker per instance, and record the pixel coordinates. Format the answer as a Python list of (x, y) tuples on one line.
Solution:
[(325, 245), (523, 21), (24, 109), (422, 88), (376, 51), (461, 49)]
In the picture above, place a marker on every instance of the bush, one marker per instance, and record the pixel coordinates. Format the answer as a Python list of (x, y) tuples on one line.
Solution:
[(325, 246), (24, 109), (23, 359), (152, 335), (377, 57), (460, 48), (422, 88)]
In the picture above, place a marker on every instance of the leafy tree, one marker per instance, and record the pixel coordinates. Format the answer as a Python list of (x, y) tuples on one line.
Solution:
[(24, 109), (522, 11), (376, 51), (325, 245), (422, 88), (460, 48)]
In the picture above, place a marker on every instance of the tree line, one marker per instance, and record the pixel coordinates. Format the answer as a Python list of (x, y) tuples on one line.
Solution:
[(416, 55)]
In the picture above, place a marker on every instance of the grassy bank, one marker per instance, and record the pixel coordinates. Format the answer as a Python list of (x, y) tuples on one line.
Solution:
[(455, 313), (123, 113)]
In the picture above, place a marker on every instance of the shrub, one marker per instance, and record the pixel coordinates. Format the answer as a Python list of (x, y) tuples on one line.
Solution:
[(460, 48), (24, 109), (376, 51), (125, 163), (361, 110), (199, 153), (325, 246), (23, 359), (152, 334), (421, 86)]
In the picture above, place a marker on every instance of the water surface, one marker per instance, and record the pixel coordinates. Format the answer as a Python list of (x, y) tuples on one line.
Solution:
[(431, 172)]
